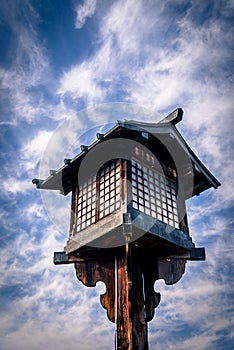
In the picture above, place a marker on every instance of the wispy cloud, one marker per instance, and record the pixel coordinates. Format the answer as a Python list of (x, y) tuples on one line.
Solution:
[(28, 67), (95, 79), (81, 83), (32, 151), (42, 303), (83, 12), (13, 185), (153, 68)]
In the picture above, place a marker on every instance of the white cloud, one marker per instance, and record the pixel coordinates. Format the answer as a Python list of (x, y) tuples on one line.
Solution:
[(124, 27), (33, 150), (83, 12), (172, 76), (154, 70), (50, 300), (17, 80), (34, 211), (15, 186), (95, 79), (28, 67), (81, 82)]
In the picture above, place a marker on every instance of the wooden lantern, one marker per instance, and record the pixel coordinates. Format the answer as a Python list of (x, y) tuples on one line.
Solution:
[(129, 224)]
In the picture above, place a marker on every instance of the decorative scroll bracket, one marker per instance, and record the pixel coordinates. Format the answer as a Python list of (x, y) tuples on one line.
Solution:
[(134, 293)]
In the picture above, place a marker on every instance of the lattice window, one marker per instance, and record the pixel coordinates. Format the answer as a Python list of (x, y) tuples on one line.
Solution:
[(109, 192), (86, 214), (154, 194), (99, 196)]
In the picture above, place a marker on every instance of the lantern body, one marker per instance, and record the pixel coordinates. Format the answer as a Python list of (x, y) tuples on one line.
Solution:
[(146, 171), (143, 184)]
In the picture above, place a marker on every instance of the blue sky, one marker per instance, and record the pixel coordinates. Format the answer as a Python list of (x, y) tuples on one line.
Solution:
[(68, 68)]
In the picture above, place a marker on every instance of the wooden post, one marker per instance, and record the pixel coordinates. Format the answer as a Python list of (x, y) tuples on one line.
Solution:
[(123, 310), (139, 323), (132, 331)]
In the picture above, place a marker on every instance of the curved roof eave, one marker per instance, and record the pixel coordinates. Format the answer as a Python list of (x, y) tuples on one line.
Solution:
[(169, 128), (56, 180)]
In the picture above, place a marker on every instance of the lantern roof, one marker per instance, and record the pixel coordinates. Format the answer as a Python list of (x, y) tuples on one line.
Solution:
[(165, 131)]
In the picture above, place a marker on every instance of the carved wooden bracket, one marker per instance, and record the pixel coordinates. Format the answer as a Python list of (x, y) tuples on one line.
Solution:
[(92, 271), (136, 298)]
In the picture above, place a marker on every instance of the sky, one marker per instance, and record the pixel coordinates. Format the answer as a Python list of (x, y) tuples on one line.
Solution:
[(67, 70)]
